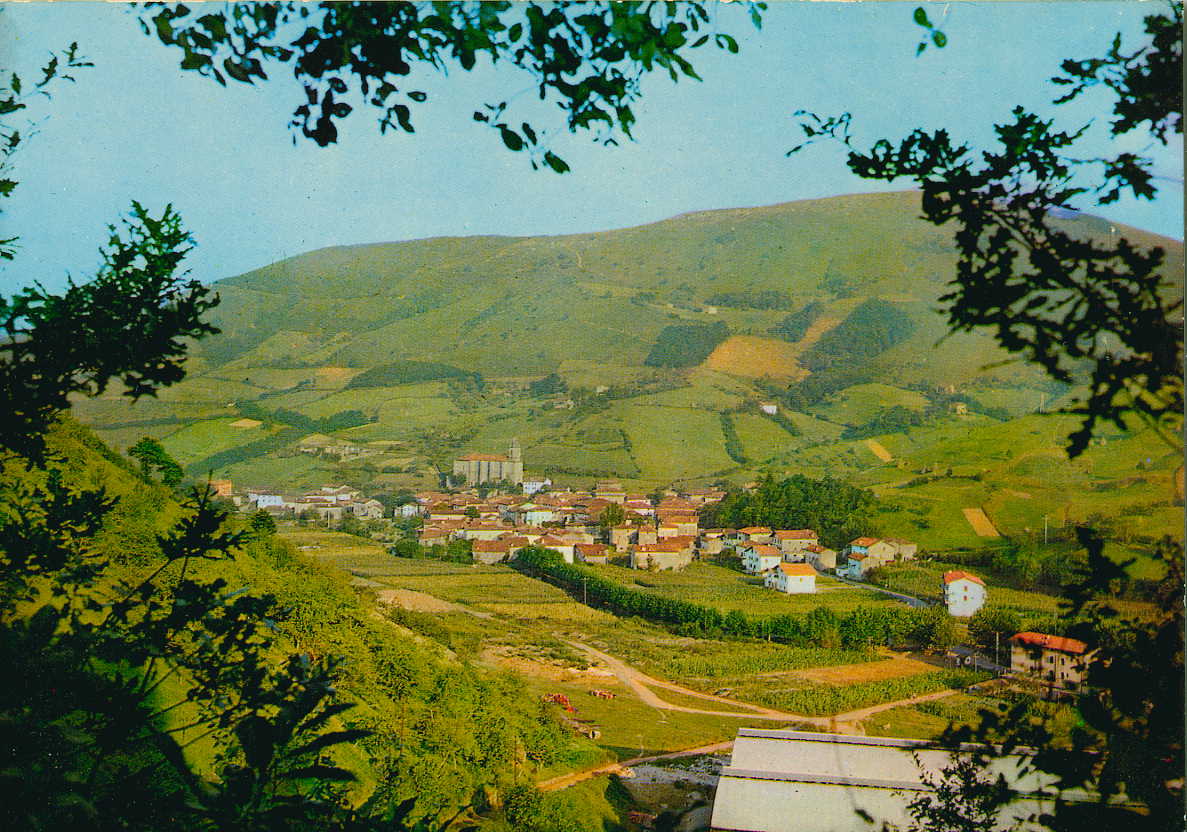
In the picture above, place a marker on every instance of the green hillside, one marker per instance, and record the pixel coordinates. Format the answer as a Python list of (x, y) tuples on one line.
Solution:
[(417, 351)]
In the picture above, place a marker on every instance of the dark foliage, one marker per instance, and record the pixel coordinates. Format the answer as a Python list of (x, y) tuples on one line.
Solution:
[(837, 511), (587, 58), (686, 345), (751, 299), (733, 445), (408, 372), (128, 324), (795, 326), (872, 328)]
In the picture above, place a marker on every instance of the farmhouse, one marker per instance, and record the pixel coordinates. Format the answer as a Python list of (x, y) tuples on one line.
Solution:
[(792, 578), (820, 557), (490, 551), (556, 544), (793, 781), (759, 557), (665, 555), (793, 542), (592, 552), (964, 593), (1058, 662), (754, 534)]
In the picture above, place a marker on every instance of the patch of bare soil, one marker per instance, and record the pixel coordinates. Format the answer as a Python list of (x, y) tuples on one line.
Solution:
[(553, 672), (410, 599)]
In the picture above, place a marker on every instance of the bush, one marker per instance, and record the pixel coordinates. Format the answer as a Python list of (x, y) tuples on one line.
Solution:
[(751, 299), (795, 326), (409, 372), (873, 327), (686, 345)]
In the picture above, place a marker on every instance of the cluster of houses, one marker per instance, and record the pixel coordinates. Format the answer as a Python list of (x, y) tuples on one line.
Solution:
[(587, 526), (330, 503)]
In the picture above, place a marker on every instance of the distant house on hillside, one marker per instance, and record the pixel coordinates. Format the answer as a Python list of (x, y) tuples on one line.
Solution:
[(964, 593), (769, 408), (792, 578)]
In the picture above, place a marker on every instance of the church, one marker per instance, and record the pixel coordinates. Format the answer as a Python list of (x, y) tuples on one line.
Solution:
[(482, 468)]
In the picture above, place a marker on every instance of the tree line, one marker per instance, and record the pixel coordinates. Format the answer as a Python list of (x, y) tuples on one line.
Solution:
[(862, 627)]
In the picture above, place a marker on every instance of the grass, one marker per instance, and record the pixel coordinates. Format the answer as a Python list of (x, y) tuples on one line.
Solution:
[(824, 700)]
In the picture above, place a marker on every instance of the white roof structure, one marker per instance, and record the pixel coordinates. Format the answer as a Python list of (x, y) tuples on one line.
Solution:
[(793, 781)]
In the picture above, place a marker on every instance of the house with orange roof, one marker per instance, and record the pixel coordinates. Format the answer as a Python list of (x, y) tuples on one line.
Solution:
[(562, 547), (1060, 663), (793, 542), (755, 534), (821, 557), (490, 551), (964, 592), (667, 554), (595, 553), (757, 558), (792, 578)]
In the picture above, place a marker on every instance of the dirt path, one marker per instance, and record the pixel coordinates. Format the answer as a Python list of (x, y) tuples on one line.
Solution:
[(641, 684), (980, 522), (566, 780), (877, 450)]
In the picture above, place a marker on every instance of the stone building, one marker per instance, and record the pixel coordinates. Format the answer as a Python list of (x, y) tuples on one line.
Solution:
[(481, 468)]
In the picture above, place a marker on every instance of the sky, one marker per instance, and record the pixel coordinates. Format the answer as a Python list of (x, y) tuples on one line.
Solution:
[(135, 127)]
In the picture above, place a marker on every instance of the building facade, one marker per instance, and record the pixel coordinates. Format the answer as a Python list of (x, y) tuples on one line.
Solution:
[(482, 468)]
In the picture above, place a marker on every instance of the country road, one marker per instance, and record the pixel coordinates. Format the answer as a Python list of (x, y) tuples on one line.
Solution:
[(641, 684)]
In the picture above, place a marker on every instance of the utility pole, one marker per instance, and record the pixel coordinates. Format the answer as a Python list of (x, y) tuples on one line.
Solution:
[(1045, 538), (584, 591), (997, 658)]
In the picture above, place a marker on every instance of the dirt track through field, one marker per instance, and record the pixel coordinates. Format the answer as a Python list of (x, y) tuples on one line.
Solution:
[(877, 450), (980, 522), (641, 684)]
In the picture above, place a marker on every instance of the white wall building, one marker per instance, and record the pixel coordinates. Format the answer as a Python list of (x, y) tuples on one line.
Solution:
[(759, 557), (964, 593), (792, 781), (792, 578)]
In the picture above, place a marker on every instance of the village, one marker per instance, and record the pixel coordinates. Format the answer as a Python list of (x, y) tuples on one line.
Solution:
[(496, 512)]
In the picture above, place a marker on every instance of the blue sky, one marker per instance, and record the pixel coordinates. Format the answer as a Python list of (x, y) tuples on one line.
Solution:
[(136, 127)]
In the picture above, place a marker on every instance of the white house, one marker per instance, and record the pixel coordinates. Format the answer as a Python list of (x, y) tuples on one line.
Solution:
[(963, 593), (769, 408), (531, 487), (792, 578), (759, 557)]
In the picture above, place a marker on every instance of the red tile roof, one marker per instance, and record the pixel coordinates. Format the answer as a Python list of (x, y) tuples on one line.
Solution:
[(956, 575), (797, 569), (764, 549), (755, 530), (863, 541), (1063, 645), (796, 534), (483, 458)]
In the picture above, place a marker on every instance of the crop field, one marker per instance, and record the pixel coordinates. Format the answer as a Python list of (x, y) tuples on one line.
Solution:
[(683, 442), (754, 357), (812, 699), (201, 439), (726, 589), (858, 404), (927, 720)]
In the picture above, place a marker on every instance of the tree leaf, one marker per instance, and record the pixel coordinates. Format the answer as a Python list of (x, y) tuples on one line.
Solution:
[(921, 17)]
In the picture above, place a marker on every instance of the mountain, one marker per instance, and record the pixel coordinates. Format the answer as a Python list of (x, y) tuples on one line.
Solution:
[(640, 353)]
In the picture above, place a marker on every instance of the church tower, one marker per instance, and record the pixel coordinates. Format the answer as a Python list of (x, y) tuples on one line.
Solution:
[(514, 463)]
